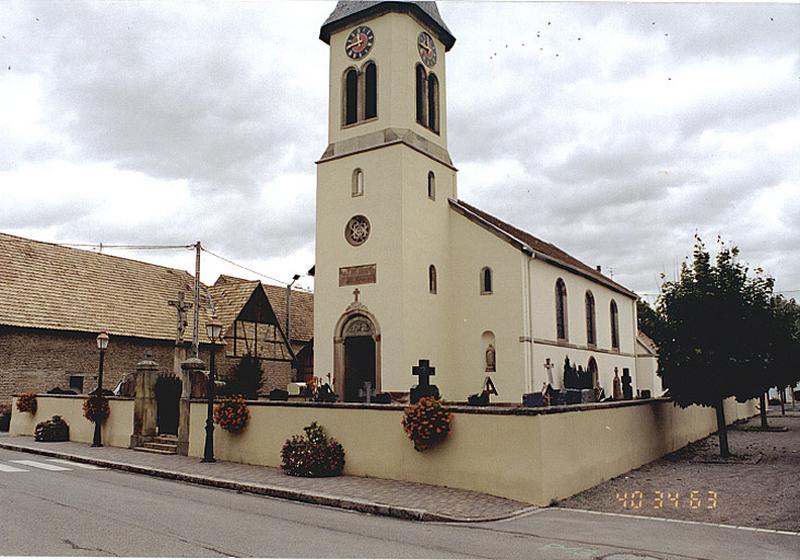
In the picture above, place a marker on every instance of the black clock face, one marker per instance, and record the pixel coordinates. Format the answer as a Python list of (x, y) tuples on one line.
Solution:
[(359, 42), (427, 49)]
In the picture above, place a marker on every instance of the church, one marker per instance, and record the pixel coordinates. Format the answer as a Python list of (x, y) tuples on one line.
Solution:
[(406, 271)]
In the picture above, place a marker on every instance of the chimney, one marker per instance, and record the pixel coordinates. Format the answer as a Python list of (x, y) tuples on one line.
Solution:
[(599, 269)]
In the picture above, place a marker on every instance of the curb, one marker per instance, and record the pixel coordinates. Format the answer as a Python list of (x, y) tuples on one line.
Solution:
[(363, 506)]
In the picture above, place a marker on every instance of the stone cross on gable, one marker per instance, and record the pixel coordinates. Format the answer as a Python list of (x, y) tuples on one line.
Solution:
[(356, 293), (181, 307), (423, 371)]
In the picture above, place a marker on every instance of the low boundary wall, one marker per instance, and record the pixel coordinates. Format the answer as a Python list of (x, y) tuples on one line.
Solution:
[(116, 430), (531, 455)]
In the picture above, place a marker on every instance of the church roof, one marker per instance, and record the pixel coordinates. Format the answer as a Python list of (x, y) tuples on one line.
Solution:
[(347, 13), (533, 245)]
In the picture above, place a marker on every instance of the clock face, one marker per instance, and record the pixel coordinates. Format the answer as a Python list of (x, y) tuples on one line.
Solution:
[(359, 42), (427, 49)]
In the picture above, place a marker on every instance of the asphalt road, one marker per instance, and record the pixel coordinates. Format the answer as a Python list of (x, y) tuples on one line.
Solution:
[(80, 511)]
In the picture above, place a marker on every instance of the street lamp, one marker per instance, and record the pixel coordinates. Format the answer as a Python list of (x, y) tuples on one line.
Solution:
[(214, 331), (102, 344)]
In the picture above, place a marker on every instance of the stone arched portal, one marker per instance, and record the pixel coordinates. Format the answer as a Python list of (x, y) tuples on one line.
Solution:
[(356, 353)]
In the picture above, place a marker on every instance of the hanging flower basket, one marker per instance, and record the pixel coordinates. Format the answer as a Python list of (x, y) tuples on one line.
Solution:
[(96, 408), (427, 423), (27, 403), (231, 414)]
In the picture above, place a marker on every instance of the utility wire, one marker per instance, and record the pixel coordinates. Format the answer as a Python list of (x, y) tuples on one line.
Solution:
[(261, 274), (102, 246)]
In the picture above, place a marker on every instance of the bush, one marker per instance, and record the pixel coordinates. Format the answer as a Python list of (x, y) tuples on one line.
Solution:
[(96, 408), (312, 455), (245, 378), (426, 423), (54, 429), (27, 403), (231, 414)]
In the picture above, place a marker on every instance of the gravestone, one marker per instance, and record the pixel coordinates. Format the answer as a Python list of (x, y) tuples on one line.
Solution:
[(587, 396), (367, 393), (617, 386), (278, 395), (382, 398), (573, 396), (423, 388), (627, 388), (533, 400)]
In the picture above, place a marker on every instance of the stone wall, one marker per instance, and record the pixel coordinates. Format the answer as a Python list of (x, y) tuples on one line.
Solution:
[(38, 360)]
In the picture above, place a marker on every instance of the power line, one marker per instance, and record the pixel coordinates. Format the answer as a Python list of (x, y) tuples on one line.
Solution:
[(261, 274), (102, 246)]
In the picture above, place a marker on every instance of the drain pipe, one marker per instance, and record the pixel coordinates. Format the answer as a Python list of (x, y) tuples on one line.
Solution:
[(527, 335)]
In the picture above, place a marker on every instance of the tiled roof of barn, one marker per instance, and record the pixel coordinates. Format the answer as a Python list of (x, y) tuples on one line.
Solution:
[(542, 248), (346, 13), (48, 286), (230, 294)]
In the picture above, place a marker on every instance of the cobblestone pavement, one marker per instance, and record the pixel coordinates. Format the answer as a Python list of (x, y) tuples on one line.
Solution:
[(407, 500)]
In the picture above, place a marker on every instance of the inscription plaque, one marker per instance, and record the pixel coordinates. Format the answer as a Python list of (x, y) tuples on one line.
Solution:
[(355, 275)]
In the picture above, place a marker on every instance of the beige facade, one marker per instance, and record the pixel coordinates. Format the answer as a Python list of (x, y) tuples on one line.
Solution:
[(378, 171)]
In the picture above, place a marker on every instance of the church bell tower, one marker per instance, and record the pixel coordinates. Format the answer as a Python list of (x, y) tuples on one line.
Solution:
[(383, 183)]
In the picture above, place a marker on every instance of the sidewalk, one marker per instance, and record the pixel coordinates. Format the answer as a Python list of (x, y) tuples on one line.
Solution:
[(406, 500)]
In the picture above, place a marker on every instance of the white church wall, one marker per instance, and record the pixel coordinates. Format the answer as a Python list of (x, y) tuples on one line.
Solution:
[(335, 206), (546, 345), (472, 314)]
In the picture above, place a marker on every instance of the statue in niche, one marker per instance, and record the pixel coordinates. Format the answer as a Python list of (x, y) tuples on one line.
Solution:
[(490, 358)]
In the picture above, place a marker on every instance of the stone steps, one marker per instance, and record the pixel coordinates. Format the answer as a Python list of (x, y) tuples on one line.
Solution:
[(161, 445)]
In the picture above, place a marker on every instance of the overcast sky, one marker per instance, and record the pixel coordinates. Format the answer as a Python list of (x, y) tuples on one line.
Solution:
[(615, 131)]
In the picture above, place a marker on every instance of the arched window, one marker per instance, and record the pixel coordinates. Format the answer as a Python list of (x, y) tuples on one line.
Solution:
[(486, 280), (421, 82), (431, 185), (592, 369), (358, 183), (433, 103), (614, 325), (432, 279), (371, 91), (591, 331), (350, 96), (561, 310)]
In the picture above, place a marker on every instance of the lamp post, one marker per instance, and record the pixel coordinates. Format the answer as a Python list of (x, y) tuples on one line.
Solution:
[(102, 344), (213, 330)]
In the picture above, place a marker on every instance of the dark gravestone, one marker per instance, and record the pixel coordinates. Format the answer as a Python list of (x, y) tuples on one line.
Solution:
[(573, 396), (278, 395), (627, 388), (533, 400), (382, 398), (478, 399), (423, 388), (646, 394)]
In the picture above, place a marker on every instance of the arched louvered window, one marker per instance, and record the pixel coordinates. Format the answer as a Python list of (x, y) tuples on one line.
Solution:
[(561, 310), (431, 185), (432, 279), (486, 280), (350, 96), (591, 331), (614, 325), (358, 183), (433, 103), (371, 91), (420, 94)]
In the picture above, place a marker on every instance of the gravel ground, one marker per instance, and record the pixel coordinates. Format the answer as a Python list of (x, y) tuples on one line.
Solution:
[(758, 487)]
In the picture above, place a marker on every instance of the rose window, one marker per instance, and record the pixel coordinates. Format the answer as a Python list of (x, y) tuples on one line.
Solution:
[(357, 230)]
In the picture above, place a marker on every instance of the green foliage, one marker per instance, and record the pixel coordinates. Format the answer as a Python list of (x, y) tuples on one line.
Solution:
[(312, 455), (55, 429), (246, 378), (784, 338), (650, 322), (715, 340)]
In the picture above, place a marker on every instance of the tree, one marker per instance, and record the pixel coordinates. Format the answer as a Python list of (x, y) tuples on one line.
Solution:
[(650, 322), (246, 378), (714, 343), (785, 343)]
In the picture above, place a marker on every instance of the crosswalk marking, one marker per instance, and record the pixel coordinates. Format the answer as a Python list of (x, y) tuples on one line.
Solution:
[(79, 465), (43, 466), (9, 468)]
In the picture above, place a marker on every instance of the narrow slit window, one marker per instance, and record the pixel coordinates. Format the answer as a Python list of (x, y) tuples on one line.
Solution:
[(358, 183), (433, 103), (486, 280), (431, 185), (432, 279), (421, 82), (561, 310)]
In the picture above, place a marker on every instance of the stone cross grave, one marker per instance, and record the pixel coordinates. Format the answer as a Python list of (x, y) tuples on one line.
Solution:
[(367, 392), (423, 388)]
